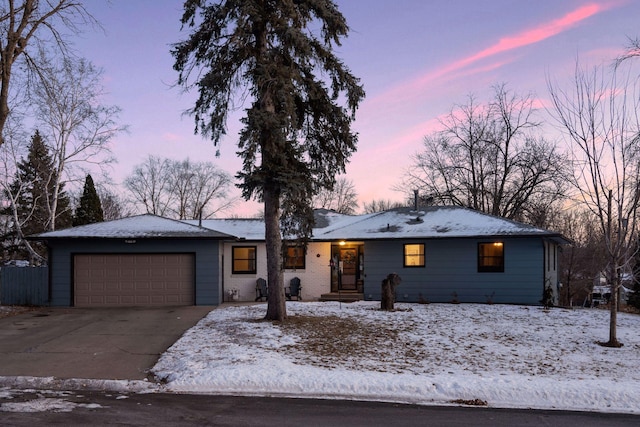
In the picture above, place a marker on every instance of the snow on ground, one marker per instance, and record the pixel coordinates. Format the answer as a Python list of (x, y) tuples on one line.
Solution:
[(506, 356), (44, 401)]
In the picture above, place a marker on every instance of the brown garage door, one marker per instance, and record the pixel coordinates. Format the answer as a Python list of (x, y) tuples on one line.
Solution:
[(133, 280)]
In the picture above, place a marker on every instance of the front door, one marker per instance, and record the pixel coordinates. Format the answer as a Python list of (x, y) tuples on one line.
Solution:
[(349, 266)]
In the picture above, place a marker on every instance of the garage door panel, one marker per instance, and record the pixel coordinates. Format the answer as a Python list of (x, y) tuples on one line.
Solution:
[(133, 279), (111, 274)]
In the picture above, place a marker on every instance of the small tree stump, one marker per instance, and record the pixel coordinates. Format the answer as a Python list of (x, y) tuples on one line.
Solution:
[(388, 296)]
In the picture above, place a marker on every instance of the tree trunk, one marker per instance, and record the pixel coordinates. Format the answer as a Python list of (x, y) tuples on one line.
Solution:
[(276, 308), (388, 295), (4, 95), (613, 318)]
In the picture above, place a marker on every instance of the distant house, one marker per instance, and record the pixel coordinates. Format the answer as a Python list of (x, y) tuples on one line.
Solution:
[(442, 254), (601, 290)]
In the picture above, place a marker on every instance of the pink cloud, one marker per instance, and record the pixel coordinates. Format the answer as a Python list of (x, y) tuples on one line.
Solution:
[(532, 36), (505, 44), (412, 138), (172, 137)]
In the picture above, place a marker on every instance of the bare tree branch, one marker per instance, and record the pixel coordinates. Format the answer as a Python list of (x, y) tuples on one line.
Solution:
[(68, 100), (342, 198), (23, 24)]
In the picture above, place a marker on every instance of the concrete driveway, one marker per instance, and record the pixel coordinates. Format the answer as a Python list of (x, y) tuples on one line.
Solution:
[(96, 343)]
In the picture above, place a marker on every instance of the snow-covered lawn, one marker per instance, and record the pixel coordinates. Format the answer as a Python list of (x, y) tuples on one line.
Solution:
[(506, 356)]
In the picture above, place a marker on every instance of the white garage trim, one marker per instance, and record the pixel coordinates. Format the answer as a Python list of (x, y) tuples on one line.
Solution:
[(133, 279)]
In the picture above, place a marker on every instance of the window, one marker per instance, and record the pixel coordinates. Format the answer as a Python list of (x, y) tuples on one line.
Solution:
[(244, 260), (294, 257), (491, 257), (414, 255)]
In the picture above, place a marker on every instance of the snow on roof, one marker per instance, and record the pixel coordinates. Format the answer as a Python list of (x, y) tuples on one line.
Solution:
[(401, 223), (254, 228), (432, 222), (248, 229), (140, 226)]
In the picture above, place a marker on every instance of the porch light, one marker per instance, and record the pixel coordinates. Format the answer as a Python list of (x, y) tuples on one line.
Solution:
[(342, 243), (498, 244)]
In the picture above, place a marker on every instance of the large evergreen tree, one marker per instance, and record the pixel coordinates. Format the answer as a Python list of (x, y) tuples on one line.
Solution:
[(30, 193), (297, 136), (90, 208)]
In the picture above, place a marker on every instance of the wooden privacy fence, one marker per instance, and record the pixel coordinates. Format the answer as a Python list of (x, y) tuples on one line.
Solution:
[(24, 285)]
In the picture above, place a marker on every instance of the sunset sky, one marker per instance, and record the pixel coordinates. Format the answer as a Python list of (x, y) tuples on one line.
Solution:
[(415, 58)]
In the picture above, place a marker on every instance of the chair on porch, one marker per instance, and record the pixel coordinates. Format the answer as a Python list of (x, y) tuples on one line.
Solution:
[(262, 291), (294, 289)]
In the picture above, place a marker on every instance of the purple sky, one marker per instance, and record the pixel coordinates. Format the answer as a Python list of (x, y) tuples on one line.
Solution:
[(415, 58)]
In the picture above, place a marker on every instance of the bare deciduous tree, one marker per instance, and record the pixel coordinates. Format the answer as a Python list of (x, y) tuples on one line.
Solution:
[(487, 158), (179, 189), (68, 100), (25, 23), (599, 116), (380, 205), (196, 185), (113, 206), (342, 198), (150, 185)]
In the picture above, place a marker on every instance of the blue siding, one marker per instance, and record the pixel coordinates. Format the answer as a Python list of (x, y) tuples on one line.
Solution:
[(452, 266), (207, 260)]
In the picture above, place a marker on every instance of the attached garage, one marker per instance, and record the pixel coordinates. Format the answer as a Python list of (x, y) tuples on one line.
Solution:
[(133, 280), (143, 260)]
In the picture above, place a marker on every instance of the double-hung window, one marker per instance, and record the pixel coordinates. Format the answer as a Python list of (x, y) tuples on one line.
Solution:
[(414, 255)]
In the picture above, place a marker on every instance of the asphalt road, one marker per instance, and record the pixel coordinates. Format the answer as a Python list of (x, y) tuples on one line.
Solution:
[(107, 408)]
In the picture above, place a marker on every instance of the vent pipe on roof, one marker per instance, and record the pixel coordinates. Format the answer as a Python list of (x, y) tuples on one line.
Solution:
[(200, 217), (415, 200)]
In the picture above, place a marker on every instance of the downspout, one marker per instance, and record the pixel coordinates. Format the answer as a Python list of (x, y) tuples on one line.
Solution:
[(544, 271), (49, 269), (222, 272)]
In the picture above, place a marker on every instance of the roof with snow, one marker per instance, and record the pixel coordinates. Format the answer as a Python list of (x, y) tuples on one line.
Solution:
[(401, 223), (135, 227), (432, 222), (248, 229)]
